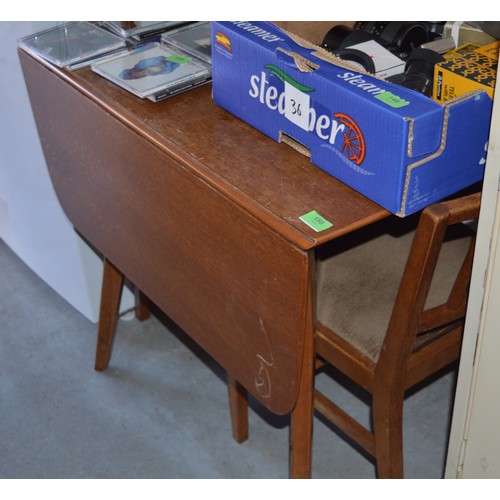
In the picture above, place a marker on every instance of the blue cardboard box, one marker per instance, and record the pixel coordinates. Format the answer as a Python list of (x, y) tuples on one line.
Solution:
[(398, 147)]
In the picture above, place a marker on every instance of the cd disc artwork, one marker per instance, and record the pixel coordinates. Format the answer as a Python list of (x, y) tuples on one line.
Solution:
[(152, 66)]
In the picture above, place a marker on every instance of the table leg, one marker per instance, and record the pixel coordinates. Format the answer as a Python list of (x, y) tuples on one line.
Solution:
[(142, 311), (112, 285), (301, 427), (238, 406)]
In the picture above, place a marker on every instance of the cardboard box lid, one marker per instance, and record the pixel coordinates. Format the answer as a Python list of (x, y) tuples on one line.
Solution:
[(423, 116)]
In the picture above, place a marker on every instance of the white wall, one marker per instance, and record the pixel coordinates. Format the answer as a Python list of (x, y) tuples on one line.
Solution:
[(32, 222), (474, 450)]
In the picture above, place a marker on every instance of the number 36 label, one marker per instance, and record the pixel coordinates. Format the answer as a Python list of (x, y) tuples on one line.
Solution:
[(297, 106)]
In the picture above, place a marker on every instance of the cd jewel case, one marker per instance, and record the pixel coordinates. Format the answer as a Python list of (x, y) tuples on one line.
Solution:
[(141, 29), (154, 71), (71, 42), (194, 38)]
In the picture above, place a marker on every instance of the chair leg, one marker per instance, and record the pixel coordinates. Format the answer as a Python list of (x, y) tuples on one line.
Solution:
[(388, 431), (112, 285), (238, 406)]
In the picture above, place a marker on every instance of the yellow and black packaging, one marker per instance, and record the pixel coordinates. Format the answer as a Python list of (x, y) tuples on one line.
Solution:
[(459, 75)]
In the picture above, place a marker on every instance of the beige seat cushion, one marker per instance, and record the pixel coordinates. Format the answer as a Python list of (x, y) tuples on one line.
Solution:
[(358, 277)]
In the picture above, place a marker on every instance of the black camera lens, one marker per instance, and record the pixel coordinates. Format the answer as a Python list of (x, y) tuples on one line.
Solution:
[(419, 70), (402, 38), (398, 37), (334, 38), (361, 36), (356, 57), (406, 35)]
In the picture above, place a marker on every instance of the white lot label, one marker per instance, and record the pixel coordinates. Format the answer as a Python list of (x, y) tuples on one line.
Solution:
[(297, 106)]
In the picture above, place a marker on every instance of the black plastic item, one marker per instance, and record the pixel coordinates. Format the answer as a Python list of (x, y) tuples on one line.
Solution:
[(406, 35), (357, 57), (356, 37), (361, 36), (398, 37), (419, 70), (335, 37)]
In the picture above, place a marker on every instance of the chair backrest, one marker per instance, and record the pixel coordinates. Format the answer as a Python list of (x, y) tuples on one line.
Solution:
[(423, 331)]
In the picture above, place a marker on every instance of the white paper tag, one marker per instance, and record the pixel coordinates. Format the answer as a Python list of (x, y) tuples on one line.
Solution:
[(297, 106)]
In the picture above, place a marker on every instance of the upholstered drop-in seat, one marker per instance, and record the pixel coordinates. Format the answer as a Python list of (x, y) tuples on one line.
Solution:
[(362, 272)]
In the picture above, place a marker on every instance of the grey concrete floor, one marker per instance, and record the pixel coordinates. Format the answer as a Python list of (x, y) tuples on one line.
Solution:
[(160, 410)]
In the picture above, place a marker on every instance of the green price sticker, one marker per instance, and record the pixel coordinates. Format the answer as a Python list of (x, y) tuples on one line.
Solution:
[(178, 59), (392, 100), (315, 221)]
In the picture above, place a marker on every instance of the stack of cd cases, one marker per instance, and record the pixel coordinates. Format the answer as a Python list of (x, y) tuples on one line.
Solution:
[(155, 71)]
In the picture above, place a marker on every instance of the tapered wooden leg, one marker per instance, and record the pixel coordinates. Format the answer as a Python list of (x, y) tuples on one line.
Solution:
[(388, 431), (301, 428), (238, 406), (142, 311), (112, 285)]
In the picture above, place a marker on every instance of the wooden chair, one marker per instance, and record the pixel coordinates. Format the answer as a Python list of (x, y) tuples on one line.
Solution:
[(390, 311)]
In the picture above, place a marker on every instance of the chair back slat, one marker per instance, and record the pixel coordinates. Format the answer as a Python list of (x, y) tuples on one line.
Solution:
[(410, 316)]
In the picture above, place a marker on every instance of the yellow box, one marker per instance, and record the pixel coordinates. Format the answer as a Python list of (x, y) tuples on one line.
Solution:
[(472, 71), (461, 50)]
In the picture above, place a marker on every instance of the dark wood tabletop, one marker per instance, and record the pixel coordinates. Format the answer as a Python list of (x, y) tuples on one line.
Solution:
[(200, 211)]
